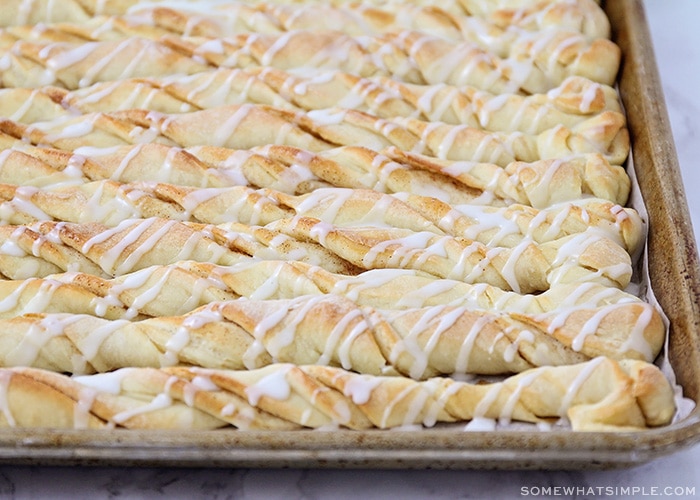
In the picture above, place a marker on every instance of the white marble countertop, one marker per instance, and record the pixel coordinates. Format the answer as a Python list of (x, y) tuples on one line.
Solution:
[(676, 39)]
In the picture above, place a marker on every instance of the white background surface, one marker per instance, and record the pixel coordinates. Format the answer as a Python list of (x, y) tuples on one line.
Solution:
[(675, 26)]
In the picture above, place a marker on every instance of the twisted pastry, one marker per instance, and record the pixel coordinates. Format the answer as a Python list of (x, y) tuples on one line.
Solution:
[(569, 104), (417, 57), (291, 170), (600, 395), (508, 226), (111, 203), (178, 288), (224, 20), (539, 184), (525, 268), (53, 247), (73, 65), (331, 329), (49, 247), (584, 15), (413, 57), (245, 126), (130, 245)]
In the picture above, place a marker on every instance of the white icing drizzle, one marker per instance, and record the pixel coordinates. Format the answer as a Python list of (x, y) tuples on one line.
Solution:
[(274, 385), (636, 340), (11, 300), (512, 349), (462, 363), (83, 406), (359, 388), (109, 382), (575, 385), (20, 203), (39, 333), (147, 245), (108, 258), (160, 402), (524, 381), (90, 345), (591, 326), (420, 296), (391, 403), (343, 351)]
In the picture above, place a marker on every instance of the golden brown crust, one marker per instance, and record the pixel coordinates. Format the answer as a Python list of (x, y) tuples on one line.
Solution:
[(411, 56), (246, 126), (327, 330), (593, 396), (584, 16), (539, 184), (273, 215), (576, 100)]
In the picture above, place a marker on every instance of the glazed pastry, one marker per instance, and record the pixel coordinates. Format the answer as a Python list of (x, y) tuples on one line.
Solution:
[(51, 247), (224, 20), (599, 395), (246, 126), (108, 202), (178, 288), (539, 184), (571, 103), (507, 226), (274, 215), (327, 329), (526, 267), (413, 57), (585, 16)]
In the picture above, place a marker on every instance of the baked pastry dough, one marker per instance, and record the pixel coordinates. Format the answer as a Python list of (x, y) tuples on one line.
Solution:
[(109, 202), (279, 215), (249, 125), (539, 184), (525, 268), (328, 329), (576, 100), (219, 20), (585, 16), (179, 288), (597, 395), (413, 57)]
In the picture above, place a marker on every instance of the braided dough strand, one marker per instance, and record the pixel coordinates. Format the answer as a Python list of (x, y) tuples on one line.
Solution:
[(412, 57), (539, 184), (574, 101), (245, 126), (224, 20), (110, 203), (527, 267), (331, 329), (599, 395), (178, 288), (584, 16)]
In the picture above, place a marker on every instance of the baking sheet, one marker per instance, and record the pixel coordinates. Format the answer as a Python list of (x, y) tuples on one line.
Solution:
[(675, 276)]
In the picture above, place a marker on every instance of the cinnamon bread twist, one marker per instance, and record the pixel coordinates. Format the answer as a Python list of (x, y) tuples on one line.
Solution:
[(223, 20), (526, 267), (599, 395), (178, 288), (413, 57), (322, 330), (106, 201), (246, 126), (539, 184), (584, 16), (571, 103)]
